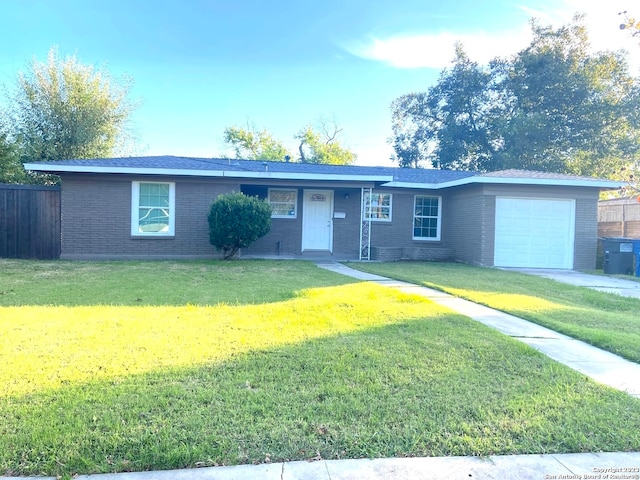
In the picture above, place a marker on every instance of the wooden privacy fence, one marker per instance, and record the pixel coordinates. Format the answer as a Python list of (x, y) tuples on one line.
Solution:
[(29, 221), (619, 220)]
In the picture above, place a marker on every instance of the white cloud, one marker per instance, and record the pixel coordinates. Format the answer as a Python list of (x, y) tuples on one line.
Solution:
[(436, 50)]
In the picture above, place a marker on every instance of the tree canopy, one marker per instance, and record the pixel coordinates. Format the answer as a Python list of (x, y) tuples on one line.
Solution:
[(316, 145), (11, 170), (250, 144), (63, 109), (630, 23), (323, 146), (553, 106)]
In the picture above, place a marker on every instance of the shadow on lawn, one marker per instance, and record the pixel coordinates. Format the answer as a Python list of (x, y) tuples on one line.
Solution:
[(446, 386)]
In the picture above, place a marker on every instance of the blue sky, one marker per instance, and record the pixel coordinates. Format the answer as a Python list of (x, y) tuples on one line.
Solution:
[(201, 65)]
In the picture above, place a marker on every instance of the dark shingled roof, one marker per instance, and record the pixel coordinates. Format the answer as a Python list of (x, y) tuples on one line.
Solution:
[(405, 175), (531, 174), (386, 176)]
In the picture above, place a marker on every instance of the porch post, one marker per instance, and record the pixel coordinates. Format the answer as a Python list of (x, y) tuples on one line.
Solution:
[(365, 225)]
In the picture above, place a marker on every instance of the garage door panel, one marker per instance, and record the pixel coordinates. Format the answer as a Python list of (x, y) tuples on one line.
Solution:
[(554, 224), (535, 233), (538, 242), (518, 224)]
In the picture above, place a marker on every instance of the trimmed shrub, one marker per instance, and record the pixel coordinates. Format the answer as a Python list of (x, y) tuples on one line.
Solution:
[(237, 220)]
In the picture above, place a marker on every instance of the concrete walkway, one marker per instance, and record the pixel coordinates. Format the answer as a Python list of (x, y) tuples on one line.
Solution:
[(602, 366)]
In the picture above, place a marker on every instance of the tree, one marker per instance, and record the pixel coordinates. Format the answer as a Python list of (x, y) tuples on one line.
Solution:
[(237, 220), (552, 107), (63, 109), (630, 23), (250, 144), (449, 125), (573, 106), (11, 170), (315, 146), (323, 146)]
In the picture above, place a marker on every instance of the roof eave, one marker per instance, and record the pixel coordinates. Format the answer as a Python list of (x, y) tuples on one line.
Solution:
[(592, 183), (415, 185), (385, 180), (43, 167)]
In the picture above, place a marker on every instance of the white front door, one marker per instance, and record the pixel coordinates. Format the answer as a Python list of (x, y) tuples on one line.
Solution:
[(317, 222)]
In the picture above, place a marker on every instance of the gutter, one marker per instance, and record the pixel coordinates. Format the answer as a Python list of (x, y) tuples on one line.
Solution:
[(39, 167)]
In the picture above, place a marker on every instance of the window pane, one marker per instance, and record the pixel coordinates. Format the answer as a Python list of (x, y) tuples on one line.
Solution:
[(283, 202), (282, 209), (288, 196), (425, 217), (154, 195), (153, 220), (153, 208), (377, 206)]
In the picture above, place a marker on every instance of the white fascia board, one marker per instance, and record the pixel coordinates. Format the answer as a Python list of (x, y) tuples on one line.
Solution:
[(420, 186), (550, 181), (306, 176), (605, 184), (43, 167)]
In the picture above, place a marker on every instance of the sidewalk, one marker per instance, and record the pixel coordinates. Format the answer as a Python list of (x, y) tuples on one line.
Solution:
[(522, 467), (602, 366)]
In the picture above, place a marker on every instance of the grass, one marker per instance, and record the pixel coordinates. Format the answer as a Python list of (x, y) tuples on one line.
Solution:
[(608, 321), (256, 361), (156, 283)]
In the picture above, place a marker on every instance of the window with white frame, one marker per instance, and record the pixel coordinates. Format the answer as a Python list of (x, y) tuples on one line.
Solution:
[(152, 208), (377, 206), (427, 213), (284, 202)]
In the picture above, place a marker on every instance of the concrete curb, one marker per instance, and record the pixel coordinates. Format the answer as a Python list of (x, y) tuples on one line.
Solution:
[(623, 465)]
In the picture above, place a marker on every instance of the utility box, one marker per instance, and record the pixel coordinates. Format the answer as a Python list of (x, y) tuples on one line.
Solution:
[(618, 256)]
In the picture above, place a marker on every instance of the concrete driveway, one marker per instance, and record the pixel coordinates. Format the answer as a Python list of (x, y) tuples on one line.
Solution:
[(604, 283)]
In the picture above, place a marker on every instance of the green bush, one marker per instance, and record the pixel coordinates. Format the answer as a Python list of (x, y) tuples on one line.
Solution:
[(237, 220)]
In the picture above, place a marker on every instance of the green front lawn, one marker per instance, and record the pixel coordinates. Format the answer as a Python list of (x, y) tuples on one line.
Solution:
[(608, 321), (142, 366)]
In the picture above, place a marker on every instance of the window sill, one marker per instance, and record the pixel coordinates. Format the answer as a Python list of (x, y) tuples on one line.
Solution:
[(153, 237)]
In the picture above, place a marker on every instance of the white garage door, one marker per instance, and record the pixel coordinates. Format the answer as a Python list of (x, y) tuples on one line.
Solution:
[(534, 233)]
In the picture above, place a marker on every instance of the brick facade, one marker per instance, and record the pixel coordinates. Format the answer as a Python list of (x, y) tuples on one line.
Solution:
[(585, 238), (96, 220), (394, 240), (469, 224)]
